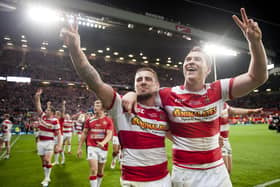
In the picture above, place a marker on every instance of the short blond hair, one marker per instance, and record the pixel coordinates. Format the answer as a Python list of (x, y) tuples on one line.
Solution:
[(207, 57), (148, 69)]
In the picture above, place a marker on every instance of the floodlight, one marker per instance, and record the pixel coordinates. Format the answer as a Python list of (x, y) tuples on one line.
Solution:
[(270, 66), (43, 14), (213, 49)]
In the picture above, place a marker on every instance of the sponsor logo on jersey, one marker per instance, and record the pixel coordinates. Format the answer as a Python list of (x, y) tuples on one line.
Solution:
[(146, 125), (205, 113)]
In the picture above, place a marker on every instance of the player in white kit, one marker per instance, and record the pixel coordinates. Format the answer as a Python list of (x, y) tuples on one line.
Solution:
[(194, 109), (224, 130), (6, 134), (116, 149), (48, 129), (60, 116), (142, 133)]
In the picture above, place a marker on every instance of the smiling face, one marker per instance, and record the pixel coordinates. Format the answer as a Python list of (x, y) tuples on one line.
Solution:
[(146, 82), (50, 111), (197, 66)]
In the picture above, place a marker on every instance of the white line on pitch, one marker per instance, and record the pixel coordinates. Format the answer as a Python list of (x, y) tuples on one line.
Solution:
[(11, 147), (268, 183)]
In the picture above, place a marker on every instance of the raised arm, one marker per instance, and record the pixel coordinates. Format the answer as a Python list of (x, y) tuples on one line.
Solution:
[(244, 111), (257, 73), (86, 71), (63, 108), (38, 105)]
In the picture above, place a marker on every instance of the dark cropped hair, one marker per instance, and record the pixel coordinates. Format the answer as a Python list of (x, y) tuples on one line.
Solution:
[(150, 70)]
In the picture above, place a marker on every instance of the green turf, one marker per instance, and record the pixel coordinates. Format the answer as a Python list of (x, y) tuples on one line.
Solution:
[(256, 160)]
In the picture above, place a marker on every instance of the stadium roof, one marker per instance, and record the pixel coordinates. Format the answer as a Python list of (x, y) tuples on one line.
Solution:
[(209, 17)]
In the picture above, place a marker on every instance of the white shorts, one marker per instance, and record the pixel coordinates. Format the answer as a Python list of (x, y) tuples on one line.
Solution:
[(67, 136), (97, 154), (6, 137), (226, 149), (115, 140), (215, 177), (45, 147), (164, 182)]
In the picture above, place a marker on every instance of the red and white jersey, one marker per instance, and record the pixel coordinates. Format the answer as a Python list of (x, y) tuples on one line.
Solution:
[(35, 125), (141, 135), (6, 127), (68, 126), (194, 123), (224, 121), (97, 130), (61, 124), (78, 126), (48, 127)]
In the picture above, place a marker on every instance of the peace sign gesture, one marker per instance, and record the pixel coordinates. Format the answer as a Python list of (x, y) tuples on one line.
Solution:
[(249, 27), (70, 34)]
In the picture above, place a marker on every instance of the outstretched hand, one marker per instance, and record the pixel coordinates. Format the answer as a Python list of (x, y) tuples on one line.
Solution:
[(39, 92), (249, 27), (257, 111), (70, 34)]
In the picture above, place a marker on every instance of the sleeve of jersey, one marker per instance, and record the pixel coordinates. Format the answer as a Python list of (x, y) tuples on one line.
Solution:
[(162, 96), (113, 101), (110, 124), (56, 125), (86, 124), (226, 88), (116, 108), (61, 121)]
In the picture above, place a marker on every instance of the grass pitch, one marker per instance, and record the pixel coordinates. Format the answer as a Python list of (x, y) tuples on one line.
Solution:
[(256, 160)]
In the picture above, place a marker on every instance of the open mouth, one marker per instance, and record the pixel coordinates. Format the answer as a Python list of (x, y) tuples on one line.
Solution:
[(191, 69)]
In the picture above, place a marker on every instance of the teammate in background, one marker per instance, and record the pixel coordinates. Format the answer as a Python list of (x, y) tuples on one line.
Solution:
[(79, 125), (224, 130), (35, 125), (60, 116), (6, 129), (48, 129), (116, 149), (27, 126), (97, 132), (194, 109), (68, 132), (68, 126), (142, 133)]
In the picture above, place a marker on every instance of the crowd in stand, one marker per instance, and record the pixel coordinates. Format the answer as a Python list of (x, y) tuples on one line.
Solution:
[(33, 64), (17, 99)]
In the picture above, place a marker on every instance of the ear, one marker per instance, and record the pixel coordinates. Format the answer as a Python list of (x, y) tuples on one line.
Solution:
[(157, 85), (208, 70)]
